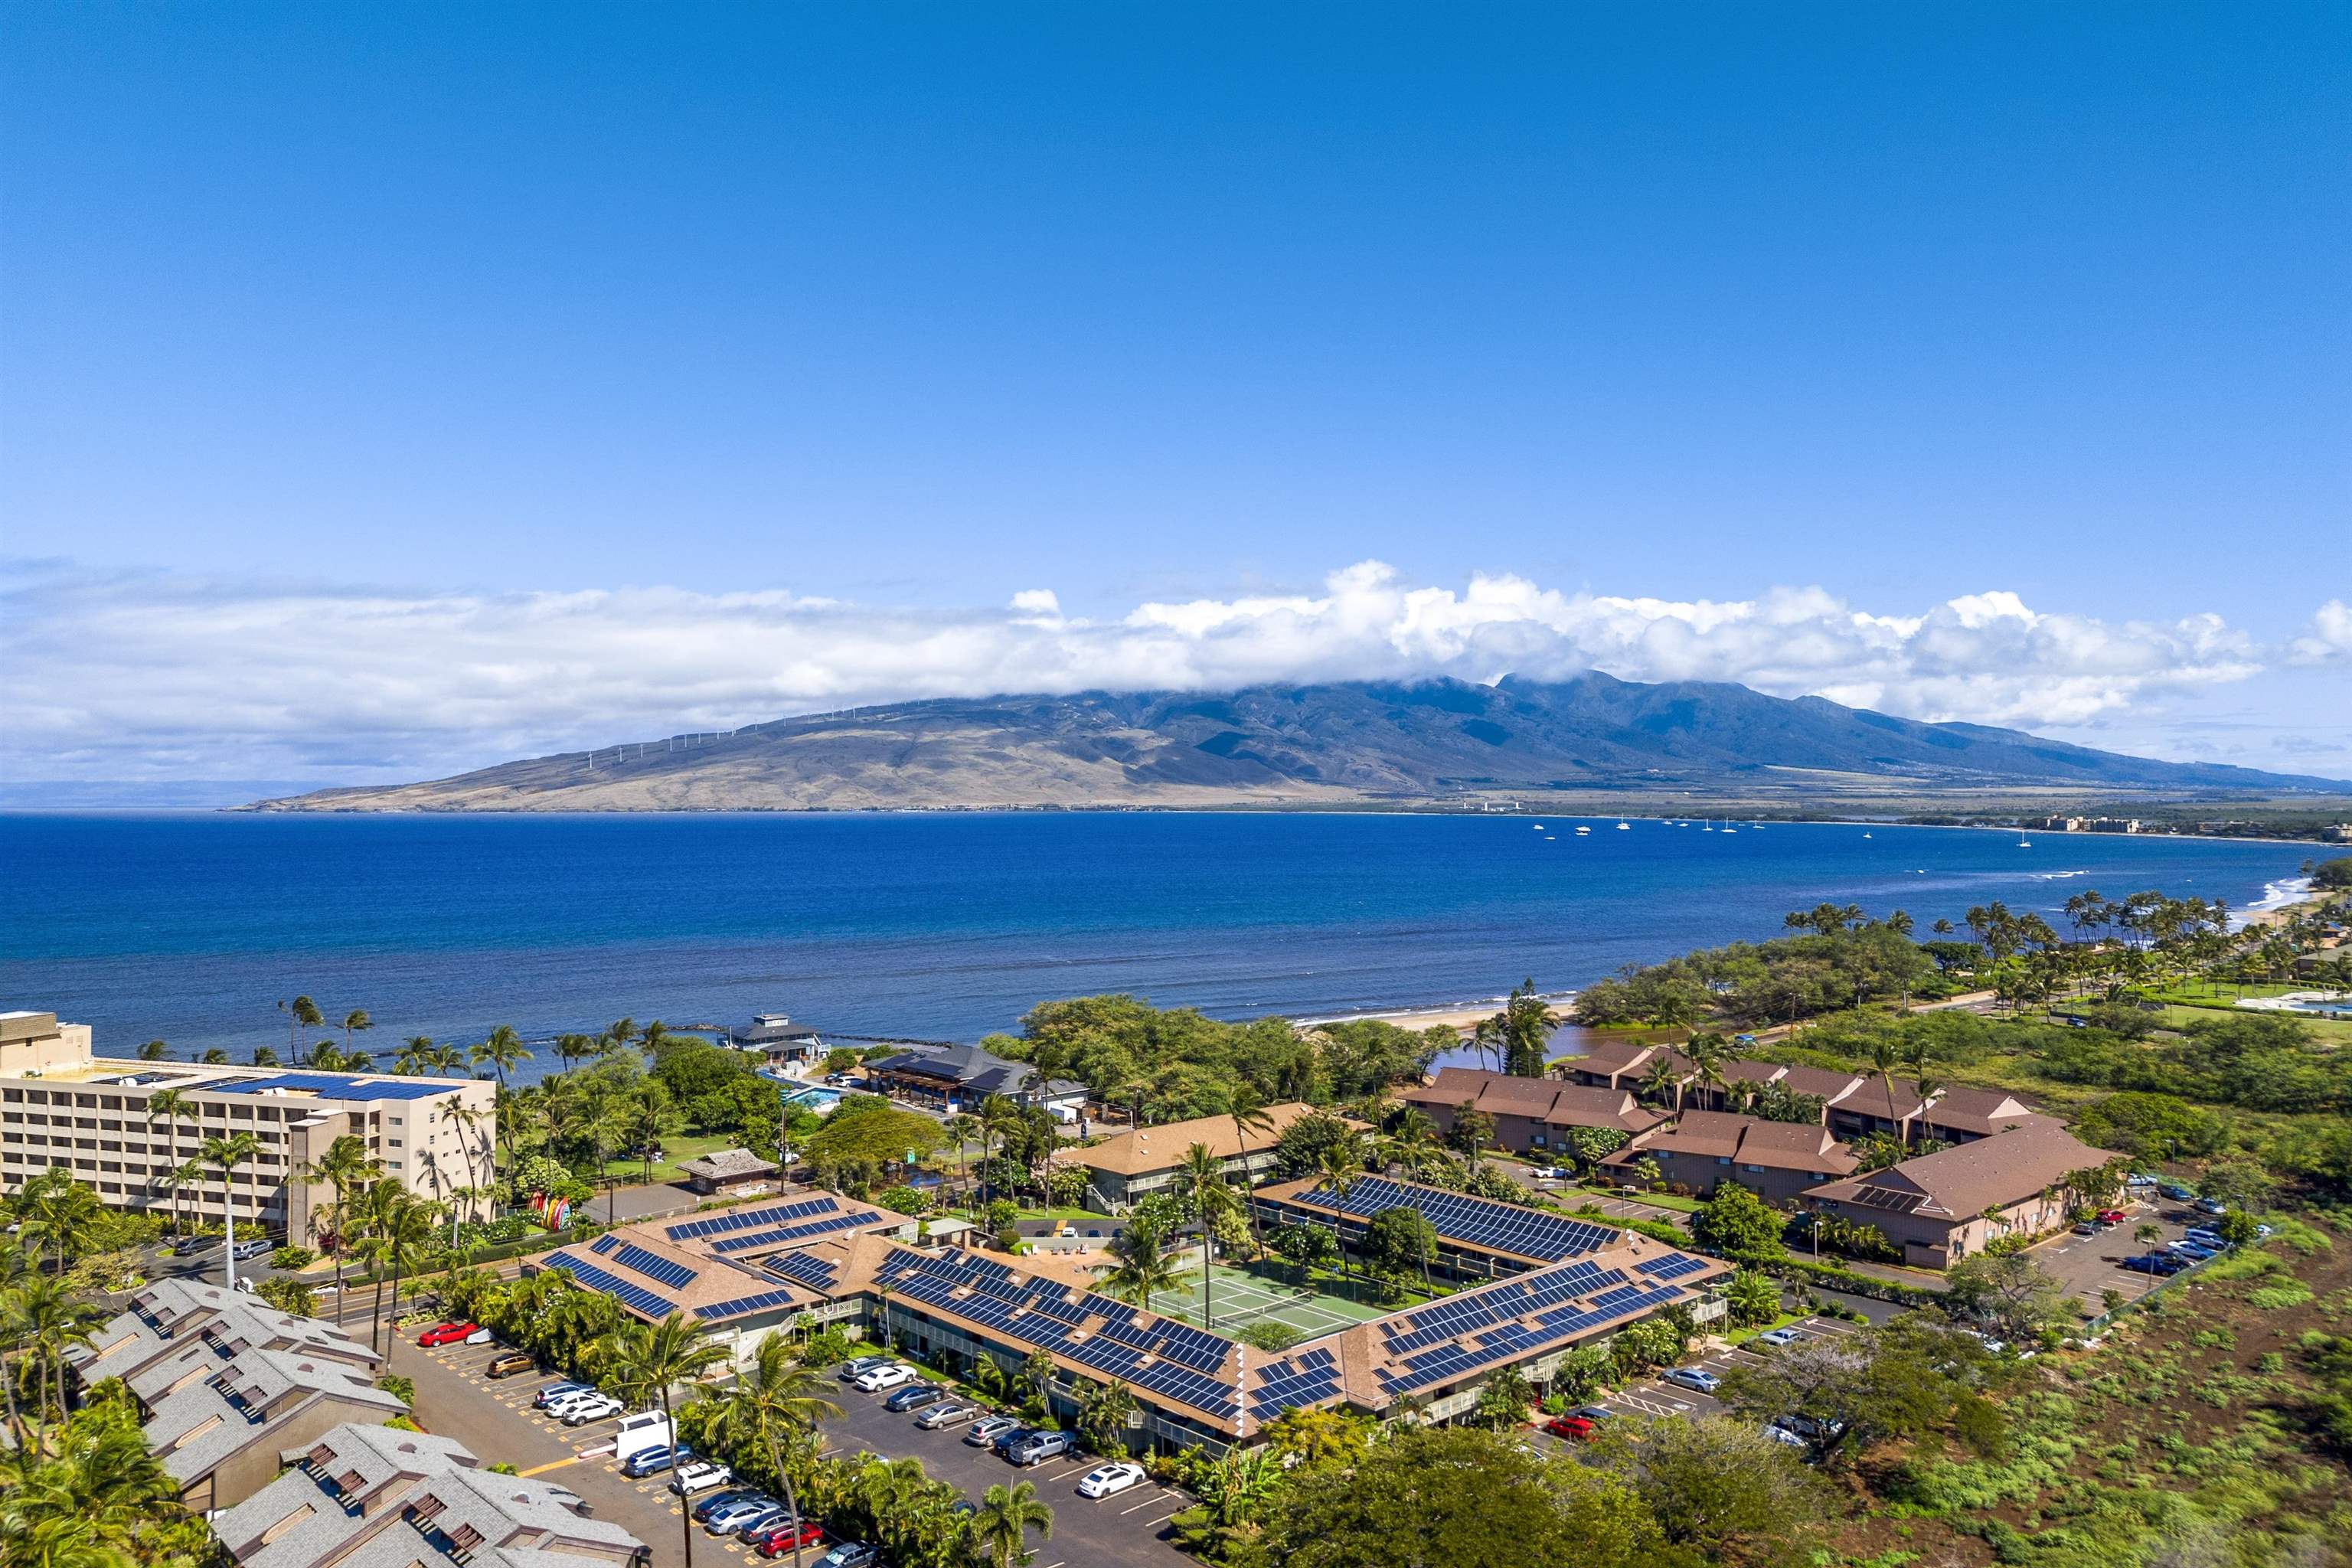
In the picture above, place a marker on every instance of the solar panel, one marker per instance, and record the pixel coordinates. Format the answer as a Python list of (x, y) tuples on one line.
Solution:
[(743, 1304), (635, 1296), (332, 1086), (1673, 1267), (744, 1218), (786, 1235), (652, 1265), (1477, 1222), (604, 1243), (802, 1269)]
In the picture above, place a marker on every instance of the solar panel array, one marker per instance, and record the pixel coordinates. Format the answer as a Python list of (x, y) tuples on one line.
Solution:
[(634, 1297), (334, 1086), (802, 1268), (1673, 1267), (604, 1244), (1479, 1222), (1307, 1378), (745, 1218), (742, 1304), (1494, 1325), (785, 1235), (654, 1266), (1160, 1356)]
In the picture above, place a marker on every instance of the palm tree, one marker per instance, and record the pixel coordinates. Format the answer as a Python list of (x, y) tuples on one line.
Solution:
[(1246, 1108), (1141, 1271), (171, 1106), (345, 1167), (187, 1177), (1201, 1179), (1661, 1081), (999, 1119), (502, 1052), (301, 1014), (43, 1317), (1486, 1039), (1883, 1059), (225, 1154), (645, 1361), (353, 1021), (1001, 1526), (961, 1129), (1708, 1055), (775, 1403)]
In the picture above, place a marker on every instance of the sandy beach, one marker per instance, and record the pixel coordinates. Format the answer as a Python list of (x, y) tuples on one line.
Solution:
[(1462, 1017)]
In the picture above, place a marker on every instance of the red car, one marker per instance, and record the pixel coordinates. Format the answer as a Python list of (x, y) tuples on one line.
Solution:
[(1575, 1426), (777, 1541), (448, 1333), (2111, 1216)]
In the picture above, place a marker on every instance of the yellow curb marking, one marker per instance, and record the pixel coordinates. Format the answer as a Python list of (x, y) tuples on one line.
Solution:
[(555, 1465)]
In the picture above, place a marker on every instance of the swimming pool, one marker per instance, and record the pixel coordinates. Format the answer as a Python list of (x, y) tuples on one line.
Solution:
[(815, 1097)]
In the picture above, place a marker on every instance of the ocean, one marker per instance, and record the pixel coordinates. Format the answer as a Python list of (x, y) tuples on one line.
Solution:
[(190, 928)]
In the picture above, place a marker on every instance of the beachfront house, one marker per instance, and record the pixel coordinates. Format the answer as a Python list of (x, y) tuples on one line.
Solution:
[(950, 1078), (777, 1040)]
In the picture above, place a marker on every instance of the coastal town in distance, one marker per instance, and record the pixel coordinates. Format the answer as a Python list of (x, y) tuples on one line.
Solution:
[(1175, 787)]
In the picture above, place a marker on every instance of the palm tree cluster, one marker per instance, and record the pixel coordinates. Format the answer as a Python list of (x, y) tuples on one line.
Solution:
[(83, 1491)]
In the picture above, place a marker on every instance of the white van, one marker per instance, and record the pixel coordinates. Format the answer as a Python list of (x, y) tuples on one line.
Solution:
[(636, 1434)]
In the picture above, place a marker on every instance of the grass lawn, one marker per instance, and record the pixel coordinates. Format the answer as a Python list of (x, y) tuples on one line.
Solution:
[(1741, 1336), (676, 1147)]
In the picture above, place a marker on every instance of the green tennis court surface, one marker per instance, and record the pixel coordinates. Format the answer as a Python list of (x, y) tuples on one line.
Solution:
[(1237, 1298)]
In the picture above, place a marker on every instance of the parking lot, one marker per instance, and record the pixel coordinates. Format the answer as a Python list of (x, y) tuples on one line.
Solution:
[(495, 1419), (2091, 1265), (1127, 1528)]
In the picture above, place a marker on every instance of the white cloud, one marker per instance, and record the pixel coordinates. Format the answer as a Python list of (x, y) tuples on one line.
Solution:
[(145, 676), (2328, 639)]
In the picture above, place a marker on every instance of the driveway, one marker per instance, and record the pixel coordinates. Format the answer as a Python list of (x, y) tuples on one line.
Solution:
[(1653, 1398), (1130, 1528)]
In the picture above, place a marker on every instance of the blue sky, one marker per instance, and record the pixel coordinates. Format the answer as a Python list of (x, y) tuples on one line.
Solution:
[(507, 313)]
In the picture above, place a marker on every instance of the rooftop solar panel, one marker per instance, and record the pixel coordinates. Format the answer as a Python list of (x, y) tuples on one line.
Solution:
[(742, 1304), (785, 1235), (756, 1214), (1671, 1266), (604, 1243), (802, 1269), (331, 1086), (634, 1296), (1477, 1222), (652, 1265)]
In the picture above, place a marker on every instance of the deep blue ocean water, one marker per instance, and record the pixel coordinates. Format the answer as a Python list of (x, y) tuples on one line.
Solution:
[(192, 927)]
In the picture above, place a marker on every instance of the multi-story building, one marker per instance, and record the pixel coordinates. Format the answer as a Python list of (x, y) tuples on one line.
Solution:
[(63, 1107)]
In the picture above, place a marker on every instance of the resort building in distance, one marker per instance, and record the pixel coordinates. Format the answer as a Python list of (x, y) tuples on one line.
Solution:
[(63, 1105)]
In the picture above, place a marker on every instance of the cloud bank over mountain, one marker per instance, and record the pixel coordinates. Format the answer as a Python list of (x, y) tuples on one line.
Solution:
[(129, 676)]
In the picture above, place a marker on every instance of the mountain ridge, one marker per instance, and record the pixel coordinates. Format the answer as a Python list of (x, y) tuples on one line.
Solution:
[(1335, 744)]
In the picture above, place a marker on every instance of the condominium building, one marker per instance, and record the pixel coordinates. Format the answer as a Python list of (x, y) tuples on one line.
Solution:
[(62, 1106)]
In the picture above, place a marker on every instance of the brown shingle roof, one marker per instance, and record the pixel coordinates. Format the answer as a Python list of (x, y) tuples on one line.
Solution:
[(1162, 1148), (1979, 1110), (1544, 1099), (1747, 1141), (727, 1164), (1962, 1182)]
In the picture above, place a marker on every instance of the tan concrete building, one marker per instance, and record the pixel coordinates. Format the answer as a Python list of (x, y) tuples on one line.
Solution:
[(63, 1105), (1948, 1206), (1126, 1165)]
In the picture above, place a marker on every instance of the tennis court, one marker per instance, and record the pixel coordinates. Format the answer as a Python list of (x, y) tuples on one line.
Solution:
[(1240, 1298)]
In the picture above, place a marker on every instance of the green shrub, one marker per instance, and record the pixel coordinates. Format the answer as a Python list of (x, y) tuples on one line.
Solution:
[(292, 1258)]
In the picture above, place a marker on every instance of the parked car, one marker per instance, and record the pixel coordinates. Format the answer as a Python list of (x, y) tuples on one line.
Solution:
[(594, 1408), (894, 1375), (649, 1461), (775, 1539), (1039, 1446), (556, 1391), (254, 1248), (446, 1333), (1777, 1338), (700, 1476), (1575, 1426), (751, 1513), (1551, 1172), (189, 1246), (717, 1500), (947, 1414), (2089, 1228), (2153, 1263), (2192, 1252), (1596, 1413), (990, 1429), (2139, 1179), (1807, 1428), (2203, 1236), (1103, 1480), (851, 1554), (1784, 1436), (2214, 1207), (511, 1363), (1692, 1377), (858, 1366), (2174, 1190), (2112, 1216), (480, 1336), (915, 1396)]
